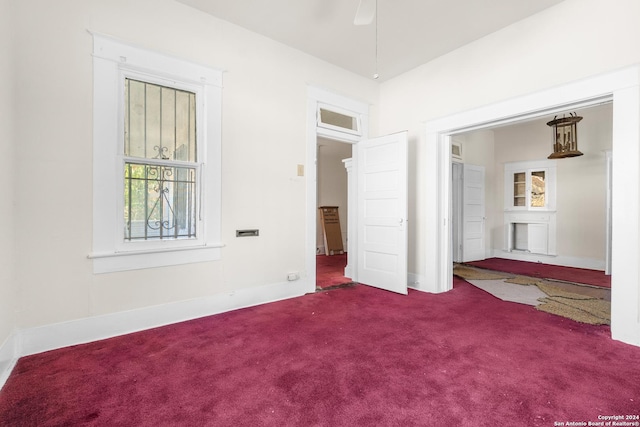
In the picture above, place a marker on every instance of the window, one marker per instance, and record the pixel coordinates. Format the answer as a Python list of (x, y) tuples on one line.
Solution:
[(336, 119), (156, 143), (160, 167)]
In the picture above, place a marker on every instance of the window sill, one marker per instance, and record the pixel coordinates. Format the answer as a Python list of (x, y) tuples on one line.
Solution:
[(109, 262)]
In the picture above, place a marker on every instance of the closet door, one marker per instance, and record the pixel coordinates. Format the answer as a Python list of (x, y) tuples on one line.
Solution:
[(473, 213)]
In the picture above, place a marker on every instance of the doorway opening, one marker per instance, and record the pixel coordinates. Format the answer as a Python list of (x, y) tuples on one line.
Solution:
[(543, 219), (326, 122), (332, 203), (622, 87), (377, 193), (550, 226)]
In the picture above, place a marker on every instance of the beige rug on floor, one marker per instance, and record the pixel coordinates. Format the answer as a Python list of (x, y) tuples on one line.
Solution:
[(538, 293), (524, 280), (580, 308), (478, 274), (529, 295)]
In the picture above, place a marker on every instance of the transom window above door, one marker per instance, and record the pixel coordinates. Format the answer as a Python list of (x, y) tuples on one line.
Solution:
[(339, 120)]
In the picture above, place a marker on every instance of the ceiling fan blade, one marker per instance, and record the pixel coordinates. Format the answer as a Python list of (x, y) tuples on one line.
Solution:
[(366, 12)]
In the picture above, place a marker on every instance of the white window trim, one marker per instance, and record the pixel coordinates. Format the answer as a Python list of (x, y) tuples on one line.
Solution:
[(114, 60)]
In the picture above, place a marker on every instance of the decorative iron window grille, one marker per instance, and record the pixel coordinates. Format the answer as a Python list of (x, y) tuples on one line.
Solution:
[(159, 202), (160, 168)]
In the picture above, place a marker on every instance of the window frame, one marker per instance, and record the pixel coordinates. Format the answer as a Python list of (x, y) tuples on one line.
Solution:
[(114, 61), (357, 132), (201, 150)]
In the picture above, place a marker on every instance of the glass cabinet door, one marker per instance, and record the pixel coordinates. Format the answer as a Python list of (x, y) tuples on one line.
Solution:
[(519, 189), (538, 189), (530, 186)]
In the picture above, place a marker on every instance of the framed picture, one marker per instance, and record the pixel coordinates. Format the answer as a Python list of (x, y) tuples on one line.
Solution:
[(456, 150)]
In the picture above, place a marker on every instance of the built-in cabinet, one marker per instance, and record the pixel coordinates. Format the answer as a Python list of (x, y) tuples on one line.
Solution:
[(530, 207), (530, 186)]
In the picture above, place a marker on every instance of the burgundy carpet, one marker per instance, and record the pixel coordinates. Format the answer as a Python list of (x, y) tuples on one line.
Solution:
[(546, 271), (330, 270), (356, 356)]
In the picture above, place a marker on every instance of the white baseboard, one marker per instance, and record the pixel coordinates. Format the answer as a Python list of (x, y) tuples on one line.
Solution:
[(565, 261), (58, 335), (9, 353), (50, 337)]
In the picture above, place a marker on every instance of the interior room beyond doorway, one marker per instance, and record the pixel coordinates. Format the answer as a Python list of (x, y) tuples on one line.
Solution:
[(332, 191), (536, 269), (581, 190)]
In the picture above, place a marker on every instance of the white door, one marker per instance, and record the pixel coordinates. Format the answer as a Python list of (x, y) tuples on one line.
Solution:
[(538, 238), (473, 211), (456, 211), (382, 212)]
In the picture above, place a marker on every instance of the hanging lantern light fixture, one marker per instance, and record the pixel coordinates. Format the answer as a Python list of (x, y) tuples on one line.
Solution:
[(565, 136)]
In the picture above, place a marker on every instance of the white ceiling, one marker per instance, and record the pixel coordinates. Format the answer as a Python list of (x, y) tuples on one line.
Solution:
[(410, 32)]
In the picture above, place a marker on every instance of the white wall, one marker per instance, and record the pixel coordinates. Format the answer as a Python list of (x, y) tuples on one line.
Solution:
[(264, 104), (8, 284), (573, 40), (263, 141), (332, 183)]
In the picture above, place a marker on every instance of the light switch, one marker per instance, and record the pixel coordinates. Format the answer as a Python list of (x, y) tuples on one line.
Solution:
[(300, 170)]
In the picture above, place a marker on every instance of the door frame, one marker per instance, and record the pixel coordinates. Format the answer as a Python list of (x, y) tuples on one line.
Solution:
[(316, 97), (623, 88)]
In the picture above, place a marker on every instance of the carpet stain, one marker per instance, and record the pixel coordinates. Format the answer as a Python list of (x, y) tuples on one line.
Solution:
[(332, 288)]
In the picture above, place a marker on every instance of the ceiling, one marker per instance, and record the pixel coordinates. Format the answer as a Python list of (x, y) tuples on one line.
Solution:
[(410, 32)]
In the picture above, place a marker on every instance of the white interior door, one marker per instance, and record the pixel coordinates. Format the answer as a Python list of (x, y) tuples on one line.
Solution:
[(473, 211), (382, 212), (456, 211)]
